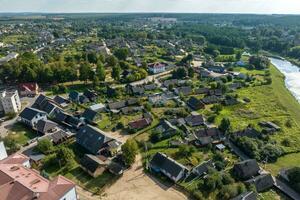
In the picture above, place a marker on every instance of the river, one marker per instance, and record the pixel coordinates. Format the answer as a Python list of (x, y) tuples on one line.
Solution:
[(292, 75)]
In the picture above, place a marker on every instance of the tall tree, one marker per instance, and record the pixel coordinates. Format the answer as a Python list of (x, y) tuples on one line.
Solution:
[(116, 72), (100, 72), (130, 150), (85, 71)]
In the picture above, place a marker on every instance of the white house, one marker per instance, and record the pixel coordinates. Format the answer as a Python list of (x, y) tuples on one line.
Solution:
[(10, 102), (31, 116), (156, 68)]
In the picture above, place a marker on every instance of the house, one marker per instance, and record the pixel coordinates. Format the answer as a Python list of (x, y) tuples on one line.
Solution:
[(74, 96), (29, 89), (135, 90), (262, 182), (45, 104), (186, 90), (161, 163), (139, 124), (272, 126), (202, 168), (246, 196), (132, 101), (91, 95), (169, 82), (195, 103), (21, 182), (156, 99), (166, 128), (229, 101), (246, 169), (211, 99), (16, 158), (31, 116), (92, 117), (94, 165), (194, 120), (99, 107), (201, 91), (45, 126), (10, 102), (61, 101), (149, 87), (66, 119), (157, 67), (248, 132), (92, 139), (216, 68), (207, 136), (116, 105), (130, 110), (59, 136), (111, 148)]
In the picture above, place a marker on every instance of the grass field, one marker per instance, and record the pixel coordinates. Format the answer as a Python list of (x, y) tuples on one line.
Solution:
[(288, 161), (21, 134), (268, 103)]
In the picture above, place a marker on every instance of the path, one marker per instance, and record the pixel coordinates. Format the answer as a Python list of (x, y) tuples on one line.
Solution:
[(136, 185)]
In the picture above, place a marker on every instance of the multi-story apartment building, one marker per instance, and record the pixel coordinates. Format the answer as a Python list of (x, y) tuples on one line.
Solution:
[(10, 102)]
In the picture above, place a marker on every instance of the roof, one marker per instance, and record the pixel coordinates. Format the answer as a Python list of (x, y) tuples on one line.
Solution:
[(91, 138), (140, 123), (43, 126), (74, 95), (29, 113), (20, 183), (194, 120), (117, 105), (32, 87), (89, 115), (195, 103), (92, 163), (262, 182), (166, 126), (170, 166), (60, 100), (248, 132), (16, 158), (246, 169), (97, 107), (59, 136), (186, 90), (246, 196), (202, 168)]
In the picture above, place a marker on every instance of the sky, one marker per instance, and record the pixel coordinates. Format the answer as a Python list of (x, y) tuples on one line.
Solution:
[(186, 6)]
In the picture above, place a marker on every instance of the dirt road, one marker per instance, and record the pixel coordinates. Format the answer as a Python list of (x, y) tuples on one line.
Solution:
[(136, 185)]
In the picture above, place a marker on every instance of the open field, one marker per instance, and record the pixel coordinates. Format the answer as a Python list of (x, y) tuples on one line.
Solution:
[(268, 103)]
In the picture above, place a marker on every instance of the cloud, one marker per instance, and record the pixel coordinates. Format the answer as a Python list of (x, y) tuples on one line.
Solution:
[(194, 6)]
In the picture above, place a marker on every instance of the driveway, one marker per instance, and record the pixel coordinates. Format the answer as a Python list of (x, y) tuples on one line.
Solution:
[(136, 185)]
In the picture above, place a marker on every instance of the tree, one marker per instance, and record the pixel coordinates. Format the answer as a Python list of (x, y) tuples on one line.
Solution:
[(180, 73), (92, 57), (191, 72), (116, 72), (122, 53), (11, 144), (111, 61), (66, 157), (85, 71), (225, 125), (100, 72), (44, 146), (130, 150)]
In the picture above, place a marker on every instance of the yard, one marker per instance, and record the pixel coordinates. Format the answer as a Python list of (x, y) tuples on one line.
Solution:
[(21, 134)]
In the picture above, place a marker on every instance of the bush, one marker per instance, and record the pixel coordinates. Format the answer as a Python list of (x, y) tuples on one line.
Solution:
[(44, 146), (211, 118)]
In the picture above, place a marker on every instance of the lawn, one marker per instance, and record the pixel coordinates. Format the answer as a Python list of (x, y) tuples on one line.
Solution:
[(268, 103), (21, 134), (287, 161)]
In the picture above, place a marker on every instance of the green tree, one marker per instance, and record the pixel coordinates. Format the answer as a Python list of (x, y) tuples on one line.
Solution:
[(111, 61), (116, 72), (225, 125), (130, 150), (44, 146), (85, 71), (122, 53), (100, 72)]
